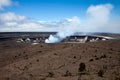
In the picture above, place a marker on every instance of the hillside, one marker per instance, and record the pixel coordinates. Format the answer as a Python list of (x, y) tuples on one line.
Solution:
[(61, 61)]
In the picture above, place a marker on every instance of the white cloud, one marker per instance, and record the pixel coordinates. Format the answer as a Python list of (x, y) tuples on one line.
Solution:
[(4, 3), (98, 19), (12, 22), (98, 16), (99, 13), (9, 16), (74, 19)]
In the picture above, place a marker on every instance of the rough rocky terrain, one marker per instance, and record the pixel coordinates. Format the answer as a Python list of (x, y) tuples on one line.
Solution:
[(60, 61)]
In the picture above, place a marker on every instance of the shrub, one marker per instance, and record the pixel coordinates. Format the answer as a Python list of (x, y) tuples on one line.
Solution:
[(82, 67), (96, 58), (96, 50), (37, 60), (74, 57), (103, 56), (100, 73), (43, 79), (55, 53), (24, 52), (83, 51), (91, 60), (41, 46), (39, 51), (68, 73), (7, 78), (111, 49), (50, 74), (15, 56), (26, 56)]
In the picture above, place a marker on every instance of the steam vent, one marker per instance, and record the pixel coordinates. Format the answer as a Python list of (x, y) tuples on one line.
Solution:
[(69, 39), (85, 38)]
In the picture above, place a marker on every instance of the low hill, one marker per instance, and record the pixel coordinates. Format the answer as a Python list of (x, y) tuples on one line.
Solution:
[(60, 61)]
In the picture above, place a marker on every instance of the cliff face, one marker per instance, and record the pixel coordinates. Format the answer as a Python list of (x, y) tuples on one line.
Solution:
[(62, 61)]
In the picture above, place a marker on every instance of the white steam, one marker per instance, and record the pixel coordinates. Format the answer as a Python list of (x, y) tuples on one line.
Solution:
[(68, 28), (52, 39), (96, 18)]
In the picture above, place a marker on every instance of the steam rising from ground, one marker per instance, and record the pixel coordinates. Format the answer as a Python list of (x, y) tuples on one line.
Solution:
[(67, 29), (96, 17)]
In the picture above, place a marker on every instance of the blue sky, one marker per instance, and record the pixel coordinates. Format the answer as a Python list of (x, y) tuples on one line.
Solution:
[(57, 9), (55, 15)]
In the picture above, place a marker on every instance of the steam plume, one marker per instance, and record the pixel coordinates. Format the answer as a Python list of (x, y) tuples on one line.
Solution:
[(67, 29), (97, 17)]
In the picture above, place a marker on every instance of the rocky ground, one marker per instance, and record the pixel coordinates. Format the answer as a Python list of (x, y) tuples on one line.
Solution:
[(61, 61)]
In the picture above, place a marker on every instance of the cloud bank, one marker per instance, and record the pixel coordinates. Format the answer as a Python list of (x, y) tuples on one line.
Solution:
[(12, 22), (98, 19), (98, 16)]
